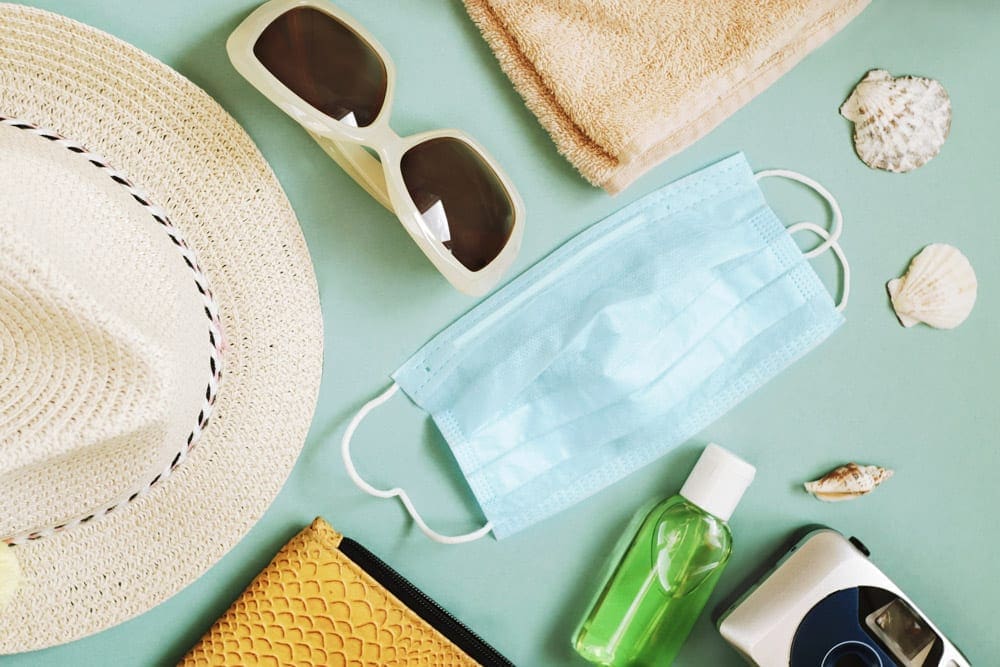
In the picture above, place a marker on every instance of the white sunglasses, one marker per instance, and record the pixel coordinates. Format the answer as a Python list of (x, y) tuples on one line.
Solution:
[(329, 74)]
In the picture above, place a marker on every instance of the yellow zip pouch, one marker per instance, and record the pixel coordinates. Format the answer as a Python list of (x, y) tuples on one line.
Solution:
[(326, 600)]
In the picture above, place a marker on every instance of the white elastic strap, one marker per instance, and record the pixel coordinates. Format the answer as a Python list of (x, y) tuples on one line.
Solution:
[(845, 293), (833, 235), (830, 236), (352, 472)]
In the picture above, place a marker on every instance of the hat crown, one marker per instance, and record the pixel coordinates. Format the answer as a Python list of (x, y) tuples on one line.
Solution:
[(104, 341), (62, 348), (219, 192)]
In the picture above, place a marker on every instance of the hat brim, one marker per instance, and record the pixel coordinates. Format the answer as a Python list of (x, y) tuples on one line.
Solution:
[(195, 161)]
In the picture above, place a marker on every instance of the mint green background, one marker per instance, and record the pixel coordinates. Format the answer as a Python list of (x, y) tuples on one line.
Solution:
[(921, 401)]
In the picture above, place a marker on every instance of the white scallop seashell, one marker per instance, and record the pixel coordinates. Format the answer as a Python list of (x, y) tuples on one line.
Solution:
[(848, 482), (899, 123), (939, 288)]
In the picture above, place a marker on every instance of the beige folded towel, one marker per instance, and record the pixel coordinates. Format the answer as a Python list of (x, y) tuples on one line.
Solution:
[(621, 85)]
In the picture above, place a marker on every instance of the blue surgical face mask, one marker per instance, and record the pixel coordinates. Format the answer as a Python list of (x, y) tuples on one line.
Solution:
[(625, 342)]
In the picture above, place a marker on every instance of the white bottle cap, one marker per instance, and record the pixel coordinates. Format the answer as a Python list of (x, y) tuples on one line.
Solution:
[(718, 481)]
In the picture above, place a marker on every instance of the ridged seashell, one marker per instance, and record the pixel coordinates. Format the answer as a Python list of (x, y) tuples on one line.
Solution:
[(938, 289), (848, 482), (899, 123)]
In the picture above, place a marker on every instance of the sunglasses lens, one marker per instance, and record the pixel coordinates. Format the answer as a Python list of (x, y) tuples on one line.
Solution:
[(325, 63), (461, 199)]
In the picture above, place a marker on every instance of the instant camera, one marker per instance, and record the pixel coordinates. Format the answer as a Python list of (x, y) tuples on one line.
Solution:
[(824, 604)]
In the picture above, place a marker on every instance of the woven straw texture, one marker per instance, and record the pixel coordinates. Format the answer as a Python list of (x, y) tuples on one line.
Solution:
[(195, 162), (313, 606), (104, 341)]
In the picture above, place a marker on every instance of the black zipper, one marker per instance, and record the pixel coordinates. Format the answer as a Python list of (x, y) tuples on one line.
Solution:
[(426, 608)]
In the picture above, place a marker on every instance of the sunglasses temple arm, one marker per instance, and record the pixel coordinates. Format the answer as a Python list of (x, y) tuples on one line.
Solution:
[(359, 165)]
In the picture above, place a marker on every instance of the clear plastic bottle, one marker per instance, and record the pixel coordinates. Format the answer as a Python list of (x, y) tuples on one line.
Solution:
[(655, 594)]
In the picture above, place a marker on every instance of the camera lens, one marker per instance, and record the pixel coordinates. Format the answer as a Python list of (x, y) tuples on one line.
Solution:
[(852, 660), (852, 654)]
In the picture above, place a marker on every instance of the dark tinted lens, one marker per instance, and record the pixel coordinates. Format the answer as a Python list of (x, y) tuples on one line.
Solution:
[(461, 199), (325, 63)]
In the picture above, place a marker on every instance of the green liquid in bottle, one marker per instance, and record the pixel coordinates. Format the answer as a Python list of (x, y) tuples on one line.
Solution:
[(659, 588)]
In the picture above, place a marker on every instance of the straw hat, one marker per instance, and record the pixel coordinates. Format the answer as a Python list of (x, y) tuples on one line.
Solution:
[(160, 330)]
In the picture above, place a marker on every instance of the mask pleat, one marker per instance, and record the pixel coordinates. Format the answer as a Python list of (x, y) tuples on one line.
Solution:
[(621, 307), (741, 318), (569, 484), (628, 340)]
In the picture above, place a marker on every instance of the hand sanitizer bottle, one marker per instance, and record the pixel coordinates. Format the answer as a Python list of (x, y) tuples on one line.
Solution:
[(650, 602)]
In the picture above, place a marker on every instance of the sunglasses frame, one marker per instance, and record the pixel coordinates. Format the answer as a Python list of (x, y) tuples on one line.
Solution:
[(382, 178)]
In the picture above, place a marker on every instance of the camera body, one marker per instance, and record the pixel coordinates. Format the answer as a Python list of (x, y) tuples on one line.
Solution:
[(824, 604)]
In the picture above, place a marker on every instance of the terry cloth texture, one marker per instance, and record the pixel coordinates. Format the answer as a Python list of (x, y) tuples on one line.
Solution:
[(621, 85)]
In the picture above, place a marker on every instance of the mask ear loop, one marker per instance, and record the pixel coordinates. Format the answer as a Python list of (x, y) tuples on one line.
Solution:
[(835, 246), (831, 236), (352, 472)]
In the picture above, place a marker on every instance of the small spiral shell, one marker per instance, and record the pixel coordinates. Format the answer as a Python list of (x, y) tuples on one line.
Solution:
[(848, 482)]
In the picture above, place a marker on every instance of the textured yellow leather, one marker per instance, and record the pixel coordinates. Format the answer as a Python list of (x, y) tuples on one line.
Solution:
[(314, 606)]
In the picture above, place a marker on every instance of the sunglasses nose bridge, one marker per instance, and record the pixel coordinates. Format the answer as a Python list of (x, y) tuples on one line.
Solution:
[(387, 143)]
